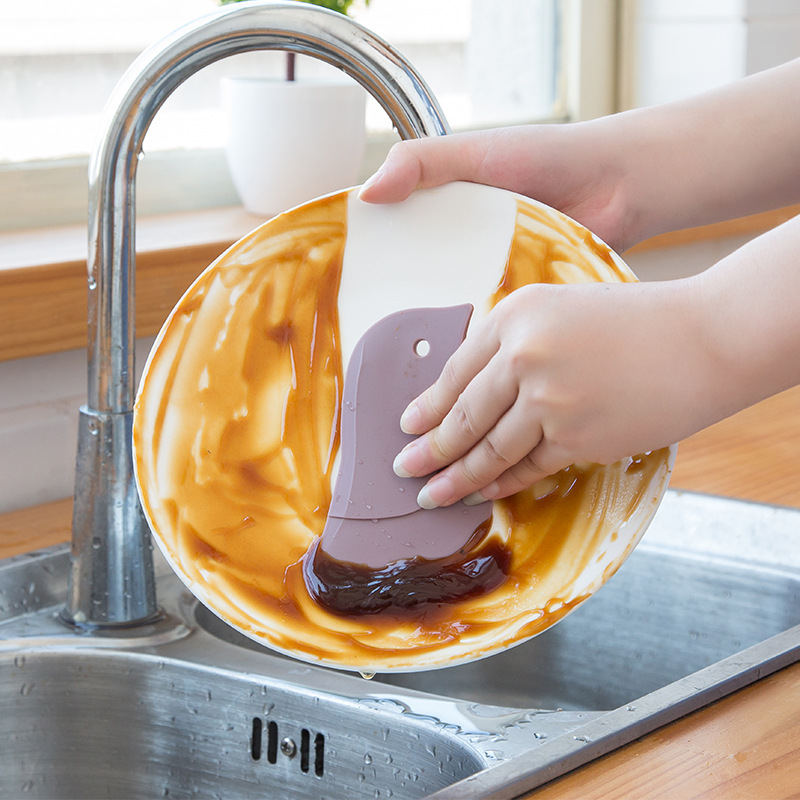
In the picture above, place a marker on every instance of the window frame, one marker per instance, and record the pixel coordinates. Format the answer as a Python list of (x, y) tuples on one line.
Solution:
[(54, 192)]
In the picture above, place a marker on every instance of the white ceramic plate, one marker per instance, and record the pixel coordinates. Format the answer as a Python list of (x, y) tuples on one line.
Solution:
[(235, 426)]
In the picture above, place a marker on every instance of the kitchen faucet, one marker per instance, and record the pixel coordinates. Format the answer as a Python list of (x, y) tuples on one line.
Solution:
[(111, 581)]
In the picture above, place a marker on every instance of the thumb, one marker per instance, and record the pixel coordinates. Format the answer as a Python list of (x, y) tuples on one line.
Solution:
[(419, 163)]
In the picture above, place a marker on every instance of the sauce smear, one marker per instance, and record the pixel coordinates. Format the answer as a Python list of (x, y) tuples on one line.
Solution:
[(236, 432)]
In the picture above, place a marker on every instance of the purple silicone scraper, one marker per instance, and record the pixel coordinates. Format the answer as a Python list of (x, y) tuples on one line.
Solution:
[(379, 550), (374, 519)]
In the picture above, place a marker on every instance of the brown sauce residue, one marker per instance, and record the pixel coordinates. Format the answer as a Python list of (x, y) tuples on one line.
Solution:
[(408, 585), (236, 434)]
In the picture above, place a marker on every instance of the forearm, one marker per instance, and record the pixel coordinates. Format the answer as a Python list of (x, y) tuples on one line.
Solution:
[(595, 372), (727, 153), (752, 309)]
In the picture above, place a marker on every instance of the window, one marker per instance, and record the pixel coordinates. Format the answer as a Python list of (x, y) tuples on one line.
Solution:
[(487, 63)]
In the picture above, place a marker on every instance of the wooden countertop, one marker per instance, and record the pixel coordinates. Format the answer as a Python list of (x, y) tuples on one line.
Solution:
[(745, 746)]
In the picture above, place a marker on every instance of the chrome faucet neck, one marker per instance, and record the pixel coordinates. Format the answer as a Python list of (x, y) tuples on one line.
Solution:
[(111, 578)]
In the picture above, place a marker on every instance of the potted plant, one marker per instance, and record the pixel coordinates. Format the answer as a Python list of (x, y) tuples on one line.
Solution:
[(294, 139)]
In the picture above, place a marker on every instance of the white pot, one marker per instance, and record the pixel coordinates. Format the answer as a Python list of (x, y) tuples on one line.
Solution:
[(291, 141)]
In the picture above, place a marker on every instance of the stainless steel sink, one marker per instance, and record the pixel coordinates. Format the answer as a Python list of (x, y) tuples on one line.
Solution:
[(186, 707), (170, 711), (88, 724)]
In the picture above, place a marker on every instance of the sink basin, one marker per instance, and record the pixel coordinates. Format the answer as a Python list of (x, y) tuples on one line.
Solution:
[(133, 725), (176, 713), (188, 707), (664, 617)]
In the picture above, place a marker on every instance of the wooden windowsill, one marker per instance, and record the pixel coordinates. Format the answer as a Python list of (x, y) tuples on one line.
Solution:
[(43, 276), (43, 272)]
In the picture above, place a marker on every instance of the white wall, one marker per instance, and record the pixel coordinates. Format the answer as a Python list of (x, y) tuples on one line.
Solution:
[(682, 47)]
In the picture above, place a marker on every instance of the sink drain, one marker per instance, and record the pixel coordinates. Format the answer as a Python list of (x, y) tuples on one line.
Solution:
[(266, 740)]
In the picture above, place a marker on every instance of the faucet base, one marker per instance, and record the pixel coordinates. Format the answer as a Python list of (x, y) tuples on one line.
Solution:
[(111, 581)]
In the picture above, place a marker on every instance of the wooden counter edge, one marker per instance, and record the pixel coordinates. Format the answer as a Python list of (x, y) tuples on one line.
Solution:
[(43, 272)]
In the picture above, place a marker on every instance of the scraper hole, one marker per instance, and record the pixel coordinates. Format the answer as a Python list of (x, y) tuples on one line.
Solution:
[(422, 347)]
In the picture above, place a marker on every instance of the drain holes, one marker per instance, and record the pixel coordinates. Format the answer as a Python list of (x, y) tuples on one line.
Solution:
[(305, 743), (272, 742), (319, 755), (319, 752), (255, 739), (287, 746)]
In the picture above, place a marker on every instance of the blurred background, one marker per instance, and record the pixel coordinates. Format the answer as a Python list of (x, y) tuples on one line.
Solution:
[(488, 63)]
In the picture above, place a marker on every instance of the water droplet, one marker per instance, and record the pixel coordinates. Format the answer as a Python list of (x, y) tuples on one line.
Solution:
[(367, 758), (539, 735), (96, 543), (367, 676)]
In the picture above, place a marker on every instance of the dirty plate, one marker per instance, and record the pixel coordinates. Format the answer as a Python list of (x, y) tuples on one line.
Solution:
[(235, 428)]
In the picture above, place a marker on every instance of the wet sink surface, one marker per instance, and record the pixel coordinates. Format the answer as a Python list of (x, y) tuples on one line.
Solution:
[(131, 725), (667, 613), (194, 709), (660, 619)]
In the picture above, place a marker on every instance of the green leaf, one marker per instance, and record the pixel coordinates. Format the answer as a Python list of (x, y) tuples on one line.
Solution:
[(342, 6)]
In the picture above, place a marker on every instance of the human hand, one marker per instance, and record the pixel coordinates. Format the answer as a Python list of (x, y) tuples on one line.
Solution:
[(631, 175), (565, 166), (557, 375)]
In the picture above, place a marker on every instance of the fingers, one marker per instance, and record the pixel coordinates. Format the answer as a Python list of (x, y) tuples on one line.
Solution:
[(476, 412), (501, 462), (433, 405), (540, 463), (492, 443), (419, 163), (457, 410)]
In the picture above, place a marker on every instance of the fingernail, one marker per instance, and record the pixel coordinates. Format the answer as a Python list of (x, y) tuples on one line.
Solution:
[(476, 498), (435, 493), (410, 419), (424, 499), (399, 468), (370, 182), (408, 461)]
